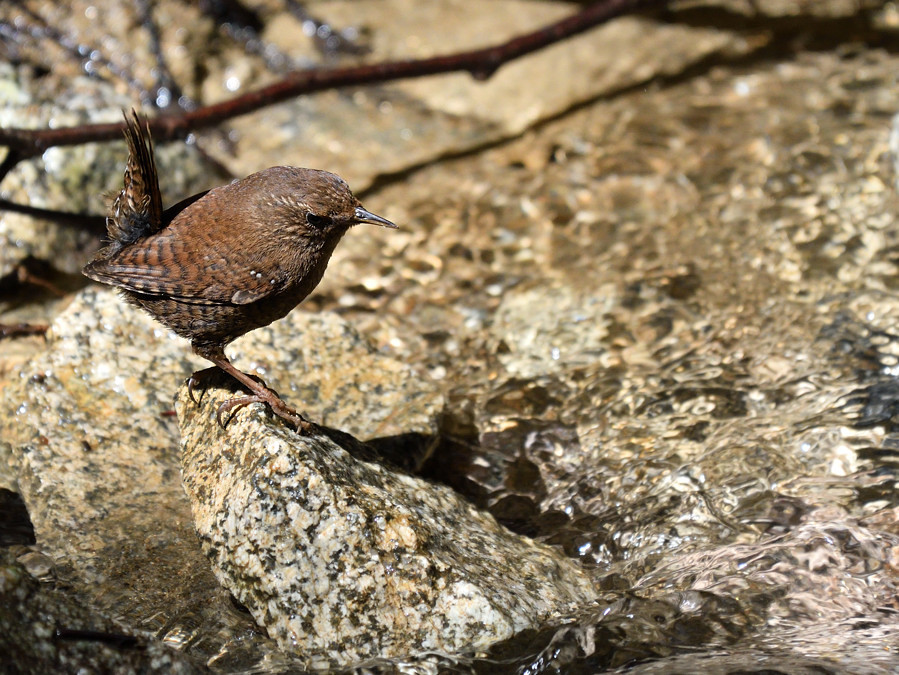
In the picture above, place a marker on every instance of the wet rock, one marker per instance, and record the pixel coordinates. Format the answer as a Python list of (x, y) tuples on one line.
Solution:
[(552, 327), (46, 630), (343, 560), (96, 455), (7, 472)]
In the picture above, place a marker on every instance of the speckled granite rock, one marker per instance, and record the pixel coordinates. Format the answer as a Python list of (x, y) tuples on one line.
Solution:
[(343, 560), (334, 376), (96, 461), (95, 454)]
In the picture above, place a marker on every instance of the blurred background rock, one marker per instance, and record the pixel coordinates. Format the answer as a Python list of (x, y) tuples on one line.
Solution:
[(649, 274)]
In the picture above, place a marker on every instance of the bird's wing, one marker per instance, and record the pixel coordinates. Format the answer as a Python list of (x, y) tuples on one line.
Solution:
[(201, 256)]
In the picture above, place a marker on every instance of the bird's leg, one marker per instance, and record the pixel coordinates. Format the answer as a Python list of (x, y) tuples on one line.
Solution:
[(260, 393)]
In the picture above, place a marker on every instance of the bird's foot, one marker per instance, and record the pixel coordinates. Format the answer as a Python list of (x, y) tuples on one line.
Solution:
[(195, 382), (259, 392), (278, 407)]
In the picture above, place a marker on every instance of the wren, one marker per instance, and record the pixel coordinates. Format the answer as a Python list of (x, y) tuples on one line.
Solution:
[(227, 261)]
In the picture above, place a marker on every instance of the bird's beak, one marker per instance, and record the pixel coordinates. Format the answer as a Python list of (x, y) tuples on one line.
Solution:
[(363, 216)]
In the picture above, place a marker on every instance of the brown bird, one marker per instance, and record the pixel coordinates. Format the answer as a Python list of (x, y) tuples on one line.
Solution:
[(224, 262)]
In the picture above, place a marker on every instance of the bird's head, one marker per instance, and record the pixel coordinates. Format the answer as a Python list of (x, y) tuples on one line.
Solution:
[(317, 204)]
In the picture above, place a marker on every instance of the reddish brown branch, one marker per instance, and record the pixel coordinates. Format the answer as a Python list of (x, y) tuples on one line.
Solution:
[(481, 63), (22, 329)]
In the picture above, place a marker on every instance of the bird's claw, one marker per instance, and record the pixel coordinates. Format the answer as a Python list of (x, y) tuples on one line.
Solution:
[(292, 417), (191, 386), (195, 381)]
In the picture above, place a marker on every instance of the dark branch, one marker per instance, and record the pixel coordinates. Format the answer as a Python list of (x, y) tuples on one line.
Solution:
[(22, 329), (94, 224), (167, 90), (481, 63), (9, 162)]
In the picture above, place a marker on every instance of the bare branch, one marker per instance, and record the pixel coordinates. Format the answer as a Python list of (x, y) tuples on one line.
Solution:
[(481, 63), (22, 329), (87, 223)]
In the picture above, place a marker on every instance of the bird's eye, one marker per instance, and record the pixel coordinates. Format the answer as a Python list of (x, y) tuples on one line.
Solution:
[(316, 220)]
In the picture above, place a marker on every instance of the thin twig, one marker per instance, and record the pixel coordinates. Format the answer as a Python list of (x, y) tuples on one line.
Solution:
[(244, 25), (22, 329), (327, 40), (95, 224), (91, 58)]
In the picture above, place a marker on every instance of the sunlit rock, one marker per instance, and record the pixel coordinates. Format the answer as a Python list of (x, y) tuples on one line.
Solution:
[(343, 560)]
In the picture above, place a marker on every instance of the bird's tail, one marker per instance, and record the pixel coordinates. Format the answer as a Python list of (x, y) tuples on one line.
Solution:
[(137, 210)]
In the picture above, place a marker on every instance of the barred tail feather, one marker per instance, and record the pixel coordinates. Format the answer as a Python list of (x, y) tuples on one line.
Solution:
[(137, 210)]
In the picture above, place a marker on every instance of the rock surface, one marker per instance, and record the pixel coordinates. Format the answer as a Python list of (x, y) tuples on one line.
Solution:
[(95, 450), (664, 319), (46, 630), (96, 459), (343, 560)]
